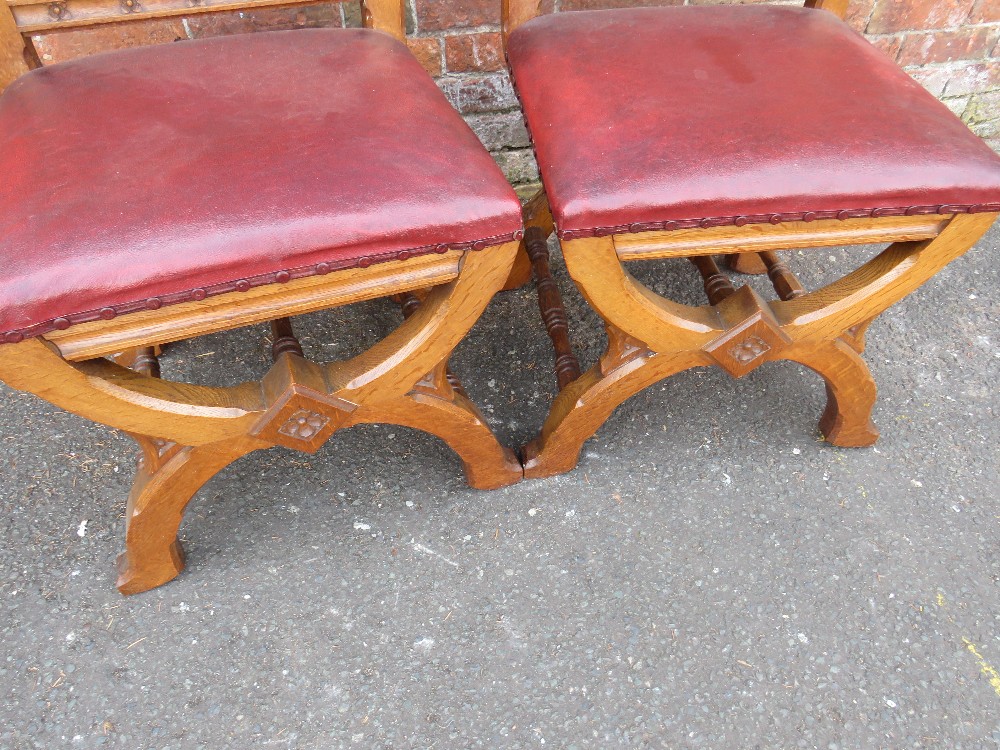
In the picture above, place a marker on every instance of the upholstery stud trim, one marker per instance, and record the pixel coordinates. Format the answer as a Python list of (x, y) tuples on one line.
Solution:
[(777, 218), (245, 285)]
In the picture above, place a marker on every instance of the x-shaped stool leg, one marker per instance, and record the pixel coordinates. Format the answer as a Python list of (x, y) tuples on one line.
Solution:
[(188, 433), (651, 338)]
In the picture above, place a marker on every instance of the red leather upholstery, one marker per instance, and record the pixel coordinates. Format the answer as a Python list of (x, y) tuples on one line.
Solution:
[(158, 175), (653, 118)]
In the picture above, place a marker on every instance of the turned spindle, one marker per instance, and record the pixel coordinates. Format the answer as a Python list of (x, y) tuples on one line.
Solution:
[(408, 303), (146, 362), (717, 284), (784, 281), (284, 341), (551, 305)]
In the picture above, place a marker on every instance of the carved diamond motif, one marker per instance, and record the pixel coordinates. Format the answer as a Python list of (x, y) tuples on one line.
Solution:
[(303, 419), (301, 414), (751, 337), (749, 349), (304, 425)]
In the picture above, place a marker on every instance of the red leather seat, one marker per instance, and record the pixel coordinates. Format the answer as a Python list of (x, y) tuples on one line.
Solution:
[(654, 118), (147, 177)]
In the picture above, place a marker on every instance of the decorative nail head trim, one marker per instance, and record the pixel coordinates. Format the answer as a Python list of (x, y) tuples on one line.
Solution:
[(245, 285), (775, 218)]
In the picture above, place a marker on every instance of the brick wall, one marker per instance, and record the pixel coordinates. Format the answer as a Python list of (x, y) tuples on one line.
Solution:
[(951, 46)]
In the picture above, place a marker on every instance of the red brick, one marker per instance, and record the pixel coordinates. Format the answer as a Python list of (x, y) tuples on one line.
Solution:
[(932, 79), (985, 11), (264, 19), (438, 15), (492, 92), (858, 13), (919, 15), (66, 45), (428, 52), (888, 44), (973, 79), (472, 52), (945, 46)]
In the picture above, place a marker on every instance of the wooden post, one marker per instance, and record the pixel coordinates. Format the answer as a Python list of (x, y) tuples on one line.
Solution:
[(551, 305), (785, 283), (717, 284), (284, 341)]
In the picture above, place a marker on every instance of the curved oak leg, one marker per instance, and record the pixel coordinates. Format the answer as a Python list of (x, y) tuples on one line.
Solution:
[(850, 391), (488, 465), (189, 433), (168, 477), (584, 405)]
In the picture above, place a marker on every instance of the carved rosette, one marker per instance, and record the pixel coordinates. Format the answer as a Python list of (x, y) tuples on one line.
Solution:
[(749, 349), (303, 419), (304, 425), (302, 415), (752, 336)]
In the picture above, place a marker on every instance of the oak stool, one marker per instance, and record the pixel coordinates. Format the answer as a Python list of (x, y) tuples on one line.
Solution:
[(163, 193), (690, 132)]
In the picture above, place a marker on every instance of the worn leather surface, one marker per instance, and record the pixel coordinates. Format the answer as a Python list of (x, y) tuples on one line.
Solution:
[(646, 117), (144, 177)]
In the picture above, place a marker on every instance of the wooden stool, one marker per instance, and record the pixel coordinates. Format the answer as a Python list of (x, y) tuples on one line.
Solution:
[(686, 132), (144, 201)]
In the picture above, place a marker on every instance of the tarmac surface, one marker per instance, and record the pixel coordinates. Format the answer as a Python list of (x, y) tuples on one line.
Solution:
[(712, 575)]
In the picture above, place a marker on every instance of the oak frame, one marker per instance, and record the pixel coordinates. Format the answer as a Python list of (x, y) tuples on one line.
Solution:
[(188, 433), (651, 338)]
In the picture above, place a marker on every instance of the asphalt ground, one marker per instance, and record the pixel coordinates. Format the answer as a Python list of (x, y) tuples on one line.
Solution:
[(712, 575)]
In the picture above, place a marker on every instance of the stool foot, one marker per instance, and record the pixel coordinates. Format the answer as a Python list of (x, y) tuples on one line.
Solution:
[(168, 477), (152, 571), (850, 391)]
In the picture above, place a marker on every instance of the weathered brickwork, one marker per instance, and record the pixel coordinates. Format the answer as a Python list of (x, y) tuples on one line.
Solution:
[(952, 47)]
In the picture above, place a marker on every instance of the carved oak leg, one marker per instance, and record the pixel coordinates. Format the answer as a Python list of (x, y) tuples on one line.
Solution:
[(488, 465), (586, 403), (438, 406), (168, 477), (628, 366), (850, 391)]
